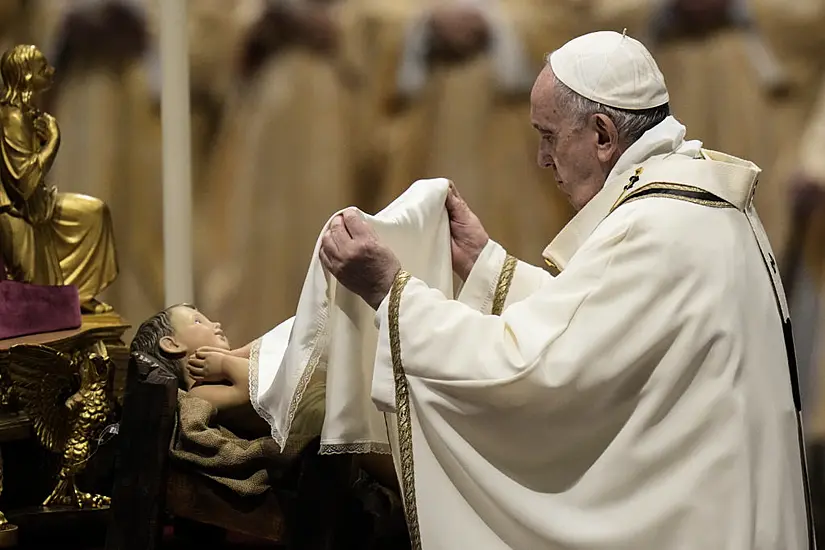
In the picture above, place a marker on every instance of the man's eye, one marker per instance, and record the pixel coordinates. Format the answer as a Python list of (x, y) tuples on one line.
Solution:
[(197, 321)]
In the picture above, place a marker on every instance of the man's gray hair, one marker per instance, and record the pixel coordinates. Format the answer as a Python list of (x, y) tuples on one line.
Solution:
[(630, 124)]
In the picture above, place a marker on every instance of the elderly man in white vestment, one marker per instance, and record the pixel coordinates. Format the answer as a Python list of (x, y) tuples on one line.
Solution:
[(642, 398)]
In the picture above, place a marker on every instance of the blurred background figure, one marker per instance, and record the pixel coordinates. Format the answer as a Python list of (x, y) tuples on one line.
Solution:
[(743, 76), (806, 268), (452, 84), (287, 156), (14, 23), (110, 127)]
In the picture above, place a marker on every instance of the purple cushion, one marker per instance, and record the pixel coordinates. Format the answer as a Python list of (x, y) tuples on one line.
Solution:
[(34, 309)]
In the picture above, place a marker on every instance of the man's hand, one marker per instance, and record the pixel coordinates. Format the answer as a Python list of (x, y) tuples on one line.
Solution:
[(207, 365), (467, 235), (351, 251), (458, 32)]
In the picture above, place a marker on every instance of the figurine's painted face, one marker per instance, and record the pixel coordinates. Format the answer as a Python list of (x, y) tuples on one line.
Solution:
[(42, 73), (193, 330)]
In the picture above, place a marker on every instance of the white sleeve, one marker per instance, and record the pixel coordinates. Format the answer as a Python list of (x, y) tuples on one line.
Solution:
[(565, 340), (479, 291)]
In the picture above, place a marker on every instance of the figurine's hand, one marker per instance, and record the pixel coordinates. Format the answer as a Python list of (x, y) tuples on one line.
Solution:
[(351, 251), (42, 130), (212, 349), (207, 365), (46, 127), (467, 236)]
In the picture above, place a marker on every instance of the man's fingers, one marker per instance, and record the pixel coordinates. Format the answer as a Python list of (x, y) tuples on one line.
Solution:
[(337, 230), (355, 224), (325, 260), (454, 200), (328, 244), (196, 363)]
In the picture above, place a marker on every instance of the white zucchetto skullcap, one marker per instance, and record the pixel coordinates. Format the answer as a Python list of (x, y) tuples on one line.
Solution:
[(612, 69)]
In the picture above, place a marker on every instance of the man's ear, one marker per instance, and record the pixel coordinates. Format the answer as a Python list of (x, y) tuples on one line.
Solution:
[(171, 346), (607, 137)]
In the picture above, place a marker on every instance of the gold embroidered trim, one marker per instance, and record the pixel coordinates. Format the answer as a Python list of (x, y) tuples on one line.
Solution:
[(672, 191), (358, 448), (505, 279), (402, 407), (703, 202)]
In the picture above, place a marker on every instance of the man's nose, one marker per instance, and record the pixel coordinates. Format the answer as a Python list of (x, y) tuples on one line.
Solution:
[(544, 160)]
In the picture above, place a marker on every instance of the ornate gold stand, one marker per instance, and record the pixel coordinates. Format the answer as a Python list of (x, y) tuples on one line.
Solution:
[(37, 374)]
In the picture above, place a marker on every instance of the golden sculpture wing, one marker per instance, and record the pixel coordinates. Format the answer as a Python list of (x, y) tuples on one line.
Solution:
[(43, 378)]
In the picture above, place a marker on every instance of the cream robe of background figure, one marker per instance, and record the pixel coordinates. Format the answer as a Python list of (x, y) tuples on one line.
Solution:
[(811, 166), (465, 118), (721, 83), (108, 105), (286, 157), (14, 24), (111, 133)]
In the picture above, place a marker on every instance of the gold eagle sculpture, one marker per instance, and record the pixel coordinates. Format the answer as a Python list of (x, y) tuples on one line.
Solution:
[(67, 399)]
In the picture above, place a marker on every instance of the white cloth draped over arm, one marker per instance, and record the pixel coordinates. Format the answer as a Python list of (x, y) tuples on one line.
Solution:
[(332, 337)]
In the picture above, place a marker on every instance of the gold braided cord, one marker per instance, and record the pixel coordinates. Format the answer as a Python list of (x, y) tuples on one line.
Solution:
[(665, 190), (402, 406), (505, 279)]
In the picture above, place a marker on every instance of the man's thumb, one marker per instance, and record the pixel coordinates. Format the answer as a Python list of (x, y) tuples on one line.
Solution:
[(455, 204)]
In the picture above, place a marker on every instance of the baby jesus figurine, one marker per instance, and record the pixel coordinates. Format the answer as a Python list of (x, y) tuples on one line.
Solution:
[(194, 349)]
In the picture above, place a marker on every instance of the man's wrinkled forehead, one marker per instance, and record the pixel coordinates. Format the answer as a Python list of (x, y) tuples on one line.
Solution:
[(542, 100)]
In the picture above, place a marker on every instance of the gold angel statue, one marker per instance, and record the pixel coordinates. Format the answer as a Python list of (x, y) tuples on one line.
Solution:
[(43, 378), (46, 237)]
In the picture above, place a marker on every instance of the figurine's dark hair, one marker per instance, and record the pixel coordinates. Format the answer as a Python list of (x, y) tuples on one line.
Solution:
[(147, 340)]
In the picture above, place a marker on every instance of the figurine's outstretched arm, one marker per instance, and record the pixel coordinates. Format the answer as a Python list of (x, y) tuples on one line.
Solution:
[(227, 396)]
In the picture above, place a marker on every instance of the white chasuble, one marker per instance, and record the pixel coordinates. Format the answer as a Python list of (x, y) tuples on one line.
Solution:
[(332, 338), (641, 399)]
